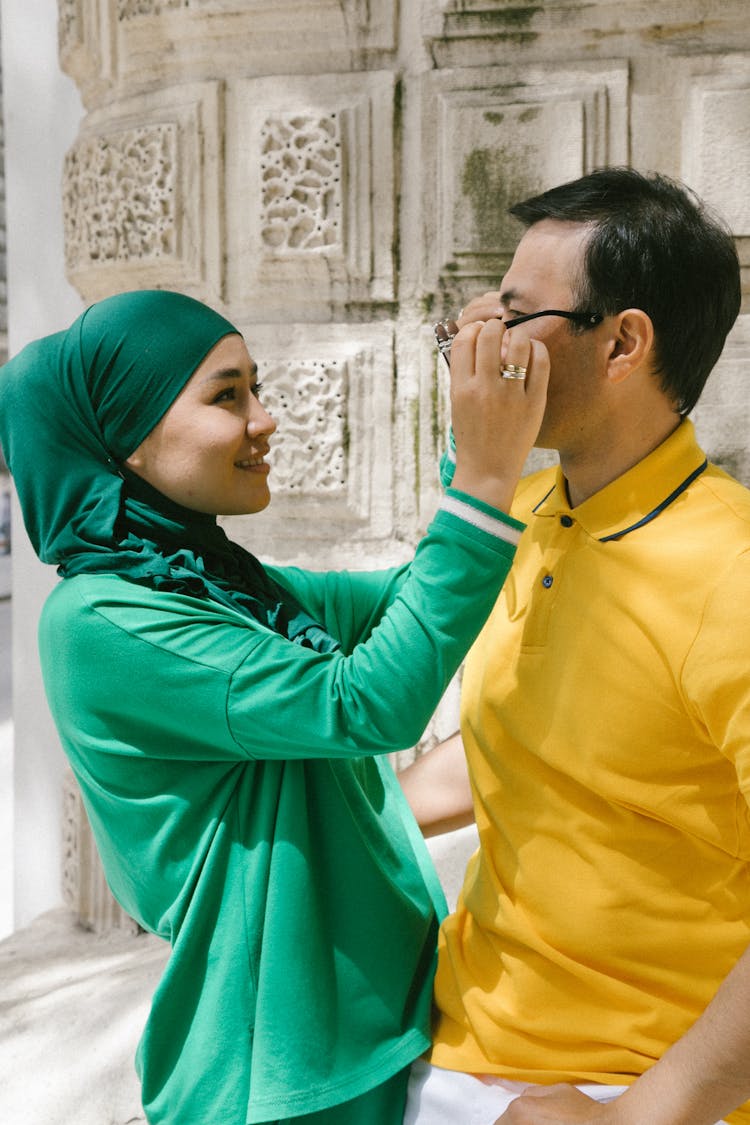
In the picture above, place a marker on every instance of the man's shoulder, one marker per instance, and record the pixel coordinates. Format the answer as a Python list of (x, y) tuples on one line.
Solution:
[(726, 495)]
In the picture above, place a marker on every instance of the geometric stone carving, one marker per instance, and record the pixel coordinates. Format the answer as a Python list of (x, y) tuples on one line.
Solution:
[(308, 400), (301, 170), (330, 390), (84, 886), (309, 198), (141, 196), (118, 197), (495, 135)]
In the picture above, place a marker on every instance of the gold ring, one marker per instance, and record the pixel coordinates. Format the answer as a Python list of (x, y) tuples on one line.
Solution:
[(513, 371)]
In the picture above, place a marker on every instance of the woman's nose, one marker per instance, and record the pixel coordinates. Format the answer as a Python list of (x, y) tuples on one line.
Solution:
[(260, 421)]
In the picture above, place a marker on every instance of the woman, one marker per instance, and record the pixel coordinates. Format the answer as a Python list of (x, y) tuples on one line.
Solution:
[(224, 720)]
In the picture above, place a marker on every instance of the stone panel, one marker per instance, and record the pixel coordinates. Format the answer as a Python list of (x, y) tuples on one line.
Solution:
[(330, 390), (716, 142), (495, 135), (722, 416), (141, 198), (309, 196)]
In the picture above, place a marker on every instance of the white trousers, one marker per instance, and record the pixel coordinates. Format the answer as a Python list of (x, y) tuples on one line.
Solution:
[(443, 1097)]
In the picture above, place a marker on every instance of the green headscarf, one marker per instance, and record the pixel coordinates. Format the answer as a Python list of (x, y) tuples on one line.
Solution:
[(74, 405)]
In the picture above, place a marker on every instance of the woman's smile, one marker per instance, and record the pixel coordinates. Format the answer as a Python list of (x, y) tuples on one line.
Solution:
[(254, 464)]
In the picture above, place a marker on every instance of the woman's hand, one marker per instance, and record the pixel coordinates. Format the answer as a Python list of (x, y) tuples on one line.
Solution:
[(558, 1105), (495, 420), (485, 307)]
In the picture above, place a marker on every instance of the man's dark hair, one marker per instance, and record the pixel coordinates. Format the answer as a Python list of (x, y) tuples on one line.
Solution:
[(655, 246)]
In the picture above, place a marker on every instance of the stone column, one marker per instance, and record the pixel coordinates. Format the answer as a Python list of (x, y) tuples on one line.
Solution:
[(334, 175)]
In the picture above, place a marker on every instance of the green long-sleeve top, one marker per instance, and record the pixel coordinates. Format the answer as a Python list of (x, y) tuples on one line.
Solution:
[(239, 813)]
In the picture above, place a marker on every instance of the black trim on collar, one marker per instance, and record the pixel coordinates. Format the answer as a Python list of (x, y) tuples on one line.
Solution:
[(651, 515), (660, 507)]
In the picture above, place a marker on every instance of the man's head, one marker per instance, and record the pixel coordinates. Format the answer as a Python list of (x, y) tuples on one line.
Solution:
[(650, 244)]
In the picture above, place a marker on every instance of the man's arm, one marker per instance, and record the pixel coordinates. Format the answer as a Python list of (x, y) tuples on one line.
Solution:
[(698, 1081), (437, 787)]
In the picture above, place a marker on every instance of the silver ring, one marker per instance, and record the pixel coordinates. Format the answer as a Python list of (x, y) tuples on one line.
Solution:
[(513, 371)]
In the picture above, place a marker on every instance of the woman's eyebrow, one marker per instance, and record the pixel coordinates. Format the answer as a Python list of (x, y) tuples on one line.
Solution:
[(229, 373)]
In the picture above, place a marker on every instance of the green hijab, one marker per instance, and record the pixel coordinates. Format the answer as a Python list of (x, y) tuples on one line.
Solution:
[(74, 405)]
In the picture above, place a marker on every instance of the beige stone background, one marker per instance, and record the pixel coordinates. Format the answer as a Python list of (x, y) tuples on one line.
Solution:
[(333, 175)]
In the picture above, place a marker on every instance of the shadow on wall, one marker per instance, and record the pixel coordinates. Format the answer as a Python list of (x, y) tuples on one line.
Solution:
[(4, 514)]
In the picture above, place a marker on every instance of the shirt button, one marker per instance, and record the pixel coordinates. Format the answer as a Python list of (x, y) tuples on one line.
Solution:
[(547, 581), (566, 521)]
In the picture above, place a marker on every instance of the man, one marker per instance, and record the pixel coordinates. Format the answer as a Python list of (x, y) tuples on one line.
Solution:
[(600, 938)]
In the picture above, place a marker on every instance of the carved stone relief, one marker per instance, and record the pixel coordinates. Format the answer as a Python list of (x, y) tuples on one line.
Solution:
[(330, 390), (140, 196), (313, 221), (119, 197), (301, 194), (308, 399)]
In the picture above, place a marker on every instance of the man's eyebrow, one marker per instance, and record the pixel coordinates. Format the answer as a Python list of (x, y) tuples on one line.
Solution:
[(508, 295)]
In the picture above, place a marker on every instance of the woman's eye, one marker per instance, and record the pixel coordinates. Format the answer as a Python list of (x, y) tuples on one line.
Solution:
[(256, 389), (227, 395)]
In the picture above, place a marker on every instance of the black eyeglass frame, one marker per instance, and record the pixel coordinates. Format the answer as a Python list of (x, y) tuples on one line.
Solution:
[(586, 319), (444, 337)]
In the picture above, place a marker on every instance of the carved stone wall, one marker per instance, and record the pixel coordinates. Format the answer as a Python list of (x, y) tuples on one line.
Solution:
[(334, 176)]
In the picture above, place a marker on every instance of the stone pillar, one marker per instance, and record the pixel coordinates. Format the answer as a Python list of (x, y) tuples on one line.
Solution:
[(333, 176), (41, 114)]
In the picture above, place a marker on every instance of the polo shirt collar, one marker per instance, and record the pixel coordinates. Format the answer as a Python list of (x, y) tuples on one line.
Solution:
[(639, 495)]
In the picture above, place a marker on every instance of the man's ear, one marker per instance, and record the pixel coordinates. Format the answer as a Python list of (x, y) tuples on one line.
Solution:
[(632, 344)]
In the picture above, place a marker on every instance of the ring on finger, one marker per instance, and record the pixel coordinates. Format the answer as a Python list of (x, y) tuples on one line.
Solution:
[(513, 371)]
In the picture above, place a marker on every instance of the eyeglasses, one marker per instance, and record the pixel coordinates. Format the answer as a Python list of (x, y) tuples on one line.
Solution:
[(587, 319), (446, 330)]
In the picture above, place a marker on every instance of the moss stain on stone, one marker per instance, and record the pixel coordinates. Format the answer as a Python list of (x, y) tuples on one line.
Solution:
[(435, 407), (414, 411), (516, 17), (484, 185), (529, 114)]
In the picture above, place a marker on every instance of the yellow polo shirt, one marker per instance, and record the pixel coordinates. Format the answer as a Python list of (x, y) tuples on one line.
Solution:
[(606, 719)]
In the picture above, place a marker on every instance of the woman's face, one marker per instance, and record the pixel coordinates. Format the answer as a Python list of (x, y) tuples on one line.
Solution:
[(207, 452)]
